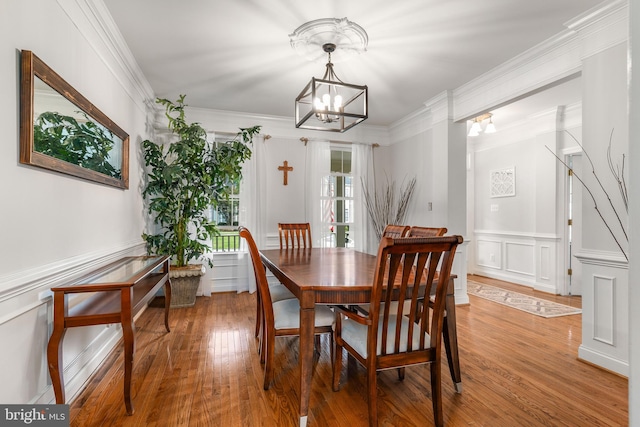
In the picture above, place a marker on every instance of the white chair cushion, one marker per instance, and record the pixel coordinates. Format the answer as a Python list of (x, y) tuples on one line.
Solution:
[(355, 334), (280, 292), (287, 314)]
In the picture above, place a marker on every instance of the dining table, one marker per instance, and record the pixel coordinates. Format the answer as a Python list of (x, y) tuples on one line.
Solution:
[(337, 276)]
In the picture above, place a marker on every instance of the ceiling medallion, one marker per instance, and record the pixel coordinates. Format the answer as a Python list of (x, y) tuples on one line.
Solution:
[(307, 40), (328, 103)]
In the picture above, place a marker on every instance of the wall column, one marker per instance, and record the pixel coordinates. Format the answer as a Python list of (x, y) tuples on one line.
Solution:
[(450, 180)]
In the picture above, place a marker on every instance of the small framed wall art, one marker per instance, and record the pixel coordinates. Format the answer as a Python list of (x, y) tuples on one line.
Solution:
[(503, 182)]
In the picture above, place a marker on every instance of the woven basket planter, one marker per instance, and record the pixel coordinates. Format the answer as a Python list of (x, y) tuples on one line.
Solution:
[(184, 284)]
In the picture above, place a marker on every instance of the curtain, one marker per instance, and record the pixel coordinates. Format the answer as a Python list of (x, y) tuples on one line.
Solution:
[(362, 170), (253, 202), (318, 166)]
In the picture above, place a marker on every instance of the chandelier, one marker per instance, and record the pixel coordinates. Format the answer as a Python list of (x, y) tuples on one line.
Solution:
[(328, 103)]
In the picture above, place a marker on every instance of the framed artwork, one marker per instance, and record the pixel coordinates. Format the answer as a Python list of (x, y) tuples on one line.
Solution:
[(62, 131), (503, 182)]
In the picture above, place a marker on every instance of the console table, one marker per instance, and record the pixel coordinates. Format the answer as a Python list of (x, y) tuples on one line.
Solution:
[(114, 293)]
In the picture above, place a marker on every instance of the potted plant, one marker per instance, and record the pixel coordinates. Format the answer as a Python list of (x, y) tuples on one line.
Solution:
[(185, 178)]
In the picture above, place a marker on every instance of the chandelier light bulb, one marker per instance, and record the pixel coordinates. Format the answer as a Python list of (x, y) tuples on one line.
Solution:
[(337, 103), (326, 100)]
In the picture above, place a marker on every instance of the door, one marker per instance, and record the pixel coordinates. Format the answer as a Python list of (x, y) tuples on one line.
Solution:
[(574, 226)]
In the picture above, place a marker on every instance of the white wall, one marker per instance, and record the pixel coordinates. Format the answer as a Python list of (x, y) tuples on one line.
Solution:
[(55, 227)]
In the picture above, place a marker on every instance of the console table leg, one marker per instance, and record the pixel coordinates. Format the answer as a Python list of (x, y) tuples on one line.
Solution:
[(127, 331), (128, 336), (54, 360), (167, 304)]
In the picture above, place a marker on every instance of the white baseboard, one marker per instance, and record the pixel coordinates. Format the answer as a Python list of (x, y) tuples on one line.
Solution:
[(607, 362)]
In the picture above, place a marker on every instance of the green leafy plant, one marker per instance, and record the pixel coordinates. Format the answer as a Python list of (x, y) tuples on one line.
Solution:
[(184, 179), (82, 143)]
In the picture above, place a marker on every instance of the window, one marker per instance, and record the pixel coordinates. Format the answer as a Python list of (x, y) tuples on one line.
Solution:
[(225, 216), (337, 200)]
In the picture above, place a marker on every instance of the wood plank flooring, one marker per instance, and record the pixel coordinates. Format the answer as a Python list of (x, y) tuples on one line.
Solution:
[(517, 369)]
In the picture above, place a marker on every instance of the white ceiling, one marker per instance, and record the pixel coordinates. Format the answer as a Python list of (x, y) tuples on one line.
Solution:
[(235, 55)]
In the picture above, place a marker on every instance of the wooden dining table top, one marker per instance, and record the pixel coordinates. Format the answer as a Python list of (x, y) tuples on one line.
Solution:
[(337, 275)]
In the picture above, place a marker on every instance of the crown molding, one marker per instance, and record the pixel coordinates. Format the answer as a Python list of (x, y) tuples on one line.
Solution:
[(95, 24), (602, 27), (441, 106), (546, 63)]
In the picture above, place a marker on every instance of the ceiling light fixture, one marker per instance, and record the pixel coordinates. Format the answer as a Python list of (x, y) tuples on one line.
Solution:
[(328, 103), (476, 126)]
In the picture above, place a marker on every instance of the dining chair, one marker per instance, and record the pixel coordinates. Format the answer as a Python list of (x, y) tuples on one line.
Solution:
[(449, 328), (392, 230), (299, 234), (280, 318), (385, 339), (294, 235)]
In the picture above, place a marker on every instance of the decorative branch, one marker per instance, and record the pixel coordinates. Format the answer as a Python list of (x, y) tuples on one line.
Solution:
[(606, 193), (618, 174), (381, 205)]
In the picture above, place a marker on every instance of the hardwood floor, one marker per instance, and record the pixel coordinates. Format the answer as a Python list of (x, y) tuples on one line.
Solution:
[(517, 369)]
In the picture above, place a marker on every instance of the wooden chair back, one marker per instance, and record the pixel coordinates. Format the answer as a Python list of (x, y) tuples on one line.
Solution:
[(395, 231), (294, 235), (264, 295), (427, 232), (410, 266), (432, 258)]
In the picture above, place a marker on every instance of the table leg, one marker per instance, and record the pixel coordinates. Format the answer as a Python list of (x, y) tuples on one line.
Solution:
[(54, 347), (450, 335), (167, 304), (307, 322), (54, 359), (129, 346)]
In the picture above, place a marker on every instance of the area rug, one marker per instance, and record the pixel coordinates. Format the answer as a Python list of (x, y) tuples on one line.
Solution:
[(519, 301)]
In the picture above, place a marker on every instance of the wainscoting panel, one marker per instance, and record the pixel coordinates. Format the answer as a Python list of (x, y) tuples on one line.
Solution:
[(489, 253), (230, 271), (520, 258), (525, 258), (545, 262), (603, 309)]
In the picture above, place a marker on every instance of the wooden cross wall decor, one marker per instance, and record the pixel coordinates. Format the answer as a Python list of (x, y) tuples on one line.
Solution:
[(285, 168)]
